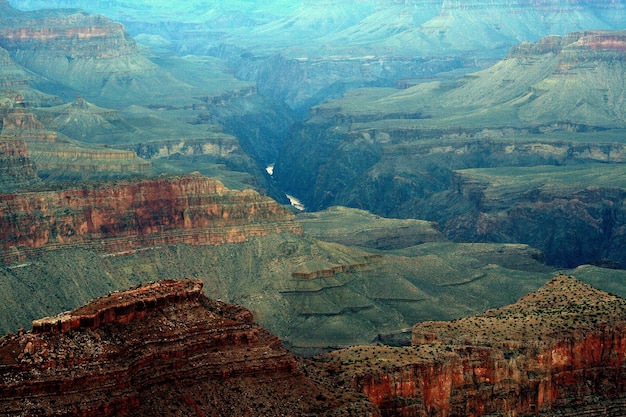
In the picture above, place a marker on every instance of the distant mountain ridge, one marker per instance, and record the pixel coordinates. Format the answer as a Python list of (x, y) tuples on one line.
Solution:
[(359, 43)]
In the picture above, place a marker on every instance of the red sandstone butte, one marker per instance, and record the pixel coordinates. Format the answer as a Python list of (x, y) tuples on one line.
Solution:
[(558, 351), (162, 349), (115, 217)]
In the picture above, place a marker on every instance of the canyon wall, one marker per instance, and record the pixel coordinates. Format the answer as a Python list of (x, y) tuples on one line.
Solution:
[(17, 169), (160, 349), (569, 221), (556, 350), (123, 216)]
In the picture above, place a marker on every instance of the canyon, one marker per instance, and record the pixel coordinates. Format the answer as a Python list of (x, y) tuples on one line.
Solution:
[(414, 143), (440, 171)]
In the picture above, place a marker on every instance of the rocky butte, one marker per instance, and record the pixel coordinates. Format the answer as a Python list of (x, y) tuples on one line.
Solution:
[(557, 351), (162, 349), (71, 46), (114, 217)]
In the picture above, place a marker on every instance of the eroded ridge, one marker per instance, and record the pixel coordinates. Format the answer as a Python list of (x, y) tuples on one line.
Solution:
[(557, 350), (161, 349), (121, 307)]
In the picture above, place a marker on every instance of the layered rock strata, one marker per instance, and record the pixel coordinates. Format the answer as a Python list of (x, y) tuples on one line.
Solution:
[(559, 348), (17, 169), (72, 47), (67, 160), (158, 350), (124, 216)]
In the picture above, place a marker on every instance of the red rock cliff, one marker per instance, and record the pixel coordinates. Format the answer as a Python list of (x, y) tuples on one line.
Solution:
[(17, 169), (123, 216), (160, 350), (558, 349)]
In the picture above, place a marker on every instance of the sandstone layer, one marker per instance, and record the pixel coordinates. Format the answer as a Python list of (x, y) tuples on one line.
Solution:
[(17, 169), (158, 350), (556, 350), (124, 216)]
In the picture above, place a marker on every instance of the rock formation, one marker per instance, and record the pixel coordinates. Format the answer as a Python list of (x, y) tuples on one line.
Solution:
[(76, 51), (72, 47), (554, 102), (572, 214), (118, 217), (556, 350), (352, 227), (162, 349), (62, 159), (79, 119), (17, 169)]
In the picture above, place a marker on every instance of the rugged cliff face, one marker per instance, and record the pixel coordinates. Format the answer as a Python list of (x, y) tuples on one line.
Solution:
[(115, 217), (558, 348), (17, 169), (158, 350), (572, 214)]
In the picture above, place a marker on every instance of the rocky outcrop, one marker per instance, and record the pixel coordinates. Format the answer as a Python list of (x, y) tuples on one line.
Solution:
[(339, 269), (123, 307), (352, 227), (61, 159), (80, 118), (570, 222), (218, 146), (118, 217), (559, 348), (17, 169), (159, 350)]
